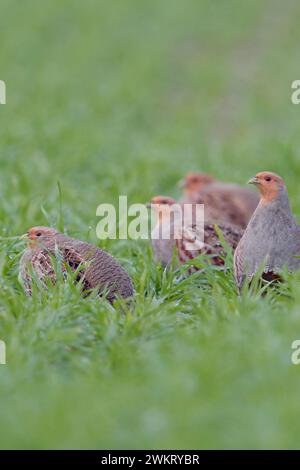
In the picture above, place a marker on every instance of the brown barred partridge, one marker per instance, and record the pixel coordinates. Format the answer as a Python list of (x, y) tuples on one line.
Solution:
[(188, 239), (95, 268), (224, 202)]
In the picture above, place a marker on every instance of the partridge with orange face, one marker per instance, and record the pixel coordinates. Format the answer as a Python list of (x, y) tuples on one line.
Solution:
[(94, 268), (223, 202), (187, 237), (272, 238)]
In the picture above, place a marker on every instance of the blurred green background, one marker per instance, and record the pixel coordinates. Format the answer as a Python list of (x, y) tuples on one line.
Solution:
[(125, 97)]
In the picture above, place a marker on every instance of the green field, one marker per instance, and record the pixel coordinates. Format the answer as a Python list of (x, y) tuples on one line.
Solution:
[(123, 98)]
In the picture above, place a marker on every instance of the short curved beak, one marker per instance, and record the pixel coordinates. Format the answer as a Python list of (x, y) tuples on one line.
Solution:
[(181, 184), (253, 180)]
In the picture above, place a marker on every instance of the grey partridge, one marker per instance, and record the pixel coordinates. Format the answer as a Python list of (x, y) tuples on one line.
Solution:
[(224, 202), (272, 239), (95, 268), (184, 236)]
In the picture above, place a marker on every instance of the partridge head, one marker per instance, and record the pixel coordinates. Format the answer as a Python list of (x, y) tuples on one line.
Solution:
[(195, 182), (38, 236), (270, 186)]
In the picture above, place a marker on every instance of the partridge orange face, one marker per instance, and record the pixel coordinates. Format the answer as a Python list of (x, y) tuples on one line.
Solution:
[(269, 185), (38, 233), (195, 182)]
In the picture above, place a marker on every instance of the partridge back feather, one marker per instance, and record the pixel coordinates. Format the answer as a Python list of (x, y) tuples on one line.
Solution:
[(96, 268), (224, 202), (227, 203)]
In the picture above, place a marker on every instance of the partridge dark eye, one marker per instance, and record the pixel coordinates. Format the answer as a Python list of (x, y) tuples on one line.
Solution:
[(38, 234), (268, 178)]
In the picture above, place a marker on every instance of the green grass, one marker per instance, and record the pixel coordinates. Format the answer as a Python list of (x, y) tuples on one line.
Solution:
[(125, 97)]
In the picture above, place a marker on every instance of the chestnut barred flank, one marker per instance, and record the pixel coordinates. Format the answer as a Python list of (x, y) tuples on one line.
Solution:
[(188, 239), (212, 244)]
